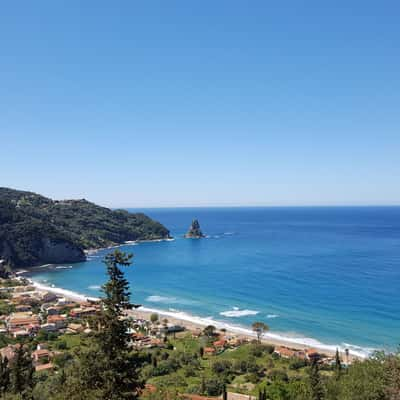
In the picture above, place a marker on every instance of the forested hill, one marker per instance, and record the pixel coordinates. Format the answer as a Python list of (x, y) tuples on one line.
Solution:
[(37, 230)]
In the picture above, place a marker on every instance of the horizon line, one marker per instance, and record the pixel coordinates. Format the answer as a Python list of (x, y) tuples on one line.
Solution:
[(262, 206)]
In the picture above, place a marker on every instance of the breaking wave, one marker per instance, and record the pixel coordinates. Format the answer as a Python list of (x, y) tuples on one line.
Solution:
[(236, 313)]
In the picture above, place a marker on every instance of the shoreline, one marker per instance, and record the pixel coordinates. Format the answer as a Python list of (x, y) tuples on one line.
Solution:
[(126, 243), (195, 323)]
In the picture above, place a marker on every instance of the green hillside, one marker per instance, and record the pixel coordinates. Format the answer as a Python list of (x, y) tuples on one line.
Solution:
[(37, 230)]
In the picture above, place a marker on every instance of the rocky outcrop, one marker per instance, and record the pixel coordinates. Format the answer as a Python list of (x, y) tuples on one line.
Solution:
[(36, 230), (194, 231), (56, 252)]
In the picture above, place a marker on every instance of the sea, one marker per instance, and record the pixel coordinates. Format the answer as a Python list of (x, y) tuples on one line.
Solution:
[(327, 277)]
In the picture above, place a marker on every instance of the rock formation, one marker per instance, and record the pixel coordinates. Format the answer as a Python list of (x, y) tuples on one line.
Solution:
[(194, 231)]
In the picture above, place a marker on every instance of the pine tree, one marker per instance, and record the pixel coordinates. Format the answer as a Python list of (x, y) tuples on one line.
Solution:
[(317, 390), (109, 366), (21, 372)]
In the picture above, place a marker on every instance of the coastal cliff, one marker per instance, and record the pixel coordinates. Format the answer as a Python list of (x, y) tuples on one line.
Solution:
[(36, 230), (194, 231)]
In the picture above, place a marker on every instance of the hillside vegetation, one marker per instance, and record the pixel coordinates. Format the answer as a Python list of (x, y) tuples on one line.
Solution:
[(35, 229)]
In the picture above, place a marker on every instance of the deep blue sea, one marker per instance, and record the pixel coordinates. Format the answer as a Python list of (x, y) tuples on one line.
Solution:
[(326, 274)]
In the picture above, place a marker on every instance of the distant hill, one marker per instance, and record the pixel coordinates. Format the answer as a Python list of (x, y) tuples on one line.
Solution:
[(37, 230)]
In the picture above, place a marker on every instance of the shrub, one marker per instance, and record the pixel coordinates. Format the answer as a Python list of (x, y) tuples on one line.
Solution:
[(297, 363), (221, 367), (278, 375), (214, 386)]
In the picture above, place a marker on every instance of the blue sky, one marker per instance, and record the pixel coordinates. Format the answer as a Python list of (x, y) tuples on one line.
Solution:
[(179, 103)]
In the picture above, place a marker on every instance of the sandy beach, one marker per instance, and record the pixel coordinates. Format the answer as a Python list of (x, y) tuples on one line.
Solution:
[(196, 324), (143, 313)]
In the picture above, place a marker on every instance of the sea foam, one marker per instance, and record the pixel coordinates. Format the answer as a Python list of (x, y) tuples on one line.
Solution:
[(94, 287), (236, 313), (161, 299)]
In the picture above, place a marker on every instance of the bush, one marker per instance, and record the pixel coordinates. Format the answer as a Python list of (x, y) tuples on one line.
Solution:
[(222, 367), (61, 345), (278, 375), (252, 366), (62, 359), (214, 386), (256, 350), (252, 377), (240, 366), (297, 363)]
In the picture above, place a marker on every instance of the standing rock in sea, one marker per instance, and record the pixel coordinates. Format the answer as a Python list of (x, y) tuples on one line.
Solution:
[(194, 231)]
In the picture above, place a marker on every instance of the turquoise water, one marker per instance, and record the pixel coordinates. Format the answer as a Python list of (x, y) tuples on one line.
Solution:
[(326, 274)]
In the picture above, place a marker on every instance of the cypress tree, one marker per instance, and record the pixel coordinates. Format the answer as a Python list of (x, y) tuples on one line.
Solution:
[(338, 365), (317, 390)]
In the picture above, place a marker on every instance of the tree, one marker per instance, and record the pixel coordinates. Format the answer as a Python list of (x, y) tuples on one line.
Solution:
[(209, 331), (316, 386), (262, 394), (260, 328), (108, 366), (338, 365), (21, 372), (154, 318), (224, 393), (366, 380), (4, 375)]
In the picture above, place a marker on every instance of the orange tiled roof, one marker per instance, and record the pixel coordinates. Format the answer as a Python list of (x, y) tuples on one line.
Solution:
[(44, 367)]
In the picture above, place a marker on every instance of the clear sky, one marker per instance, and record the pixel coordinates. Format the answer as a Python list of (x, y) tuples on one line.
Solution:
[(187, 103)]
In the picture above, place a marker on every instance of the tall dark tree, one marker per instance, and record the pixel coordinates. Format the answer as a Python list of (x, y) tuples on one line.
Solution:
[(338, 365), (316, 385), (21, 372), (4, 375), (109, 366)]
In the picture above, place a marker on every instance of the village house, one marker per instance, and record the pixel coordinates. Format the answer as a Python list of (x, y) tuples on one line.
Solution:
[(75, 328), (285, 352), (60, 321), (82, 312), (209, 351), (53, 310), (44, 367), (23, 308), (220, 344), (62, 301), (312, 354), (22, 320), (41, 356), (49, 327), (48, 297)]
